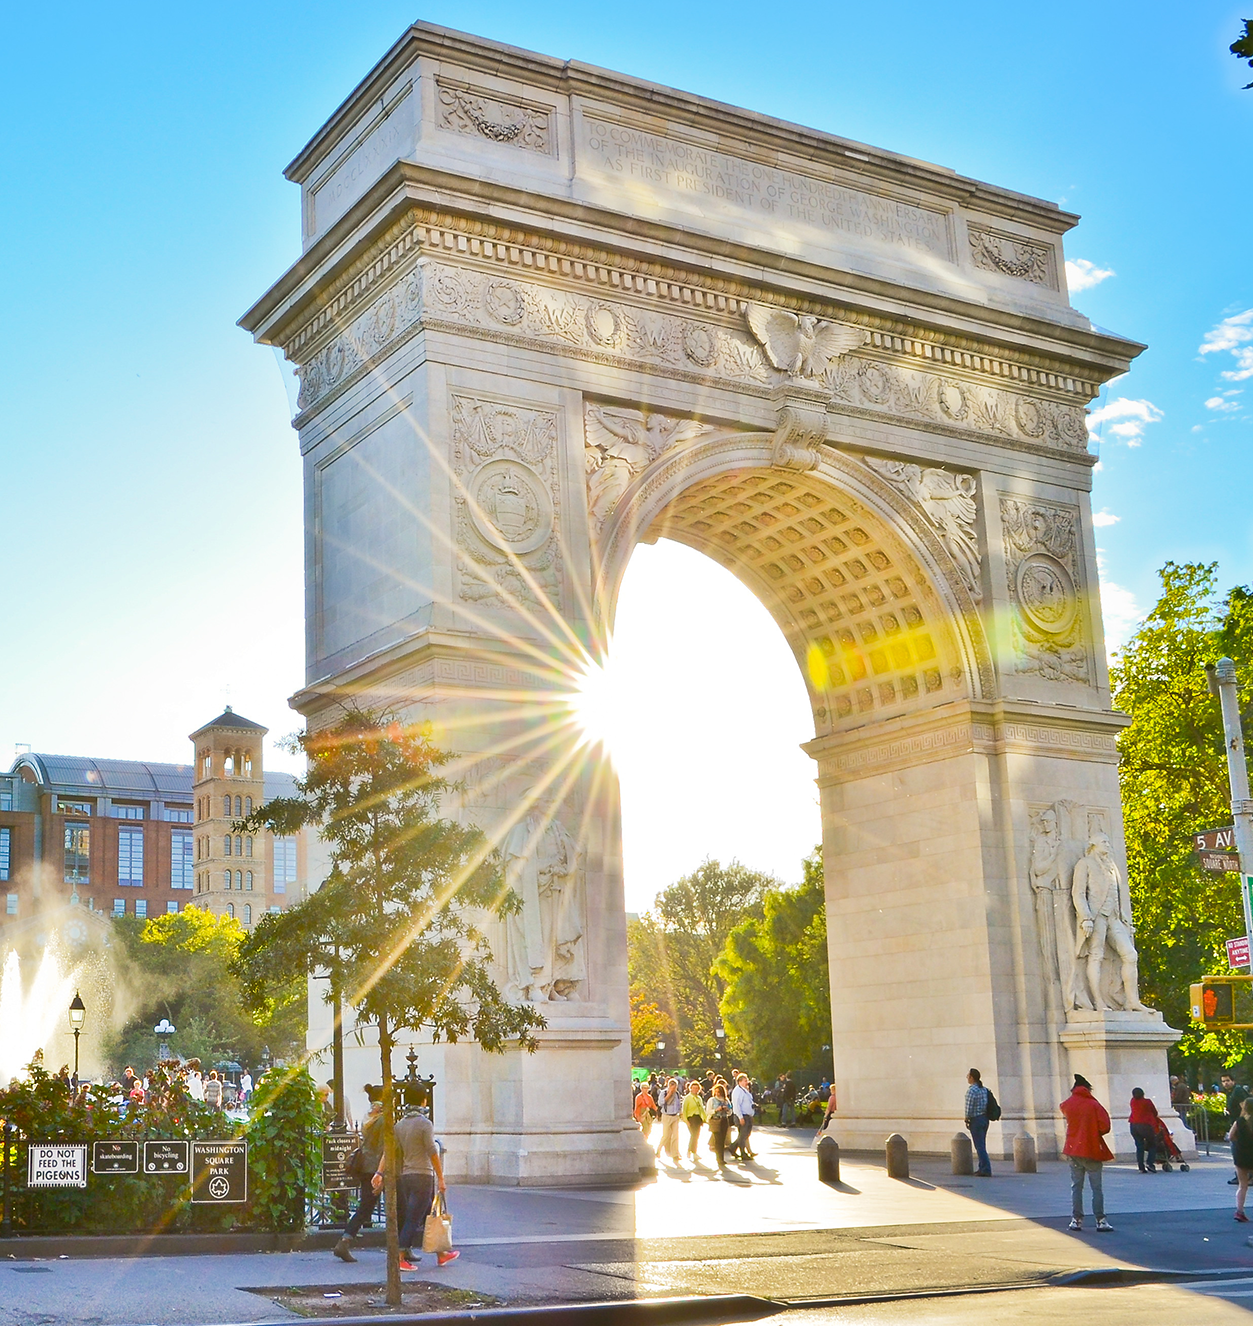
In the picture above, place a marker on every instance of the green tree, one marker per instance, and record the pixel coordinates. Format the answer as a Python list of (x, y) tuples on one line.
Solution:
[(1173, 772), (395, 928), (649, 1024), (178, 966), (1242, 47), (777, 1001), (671, 951)]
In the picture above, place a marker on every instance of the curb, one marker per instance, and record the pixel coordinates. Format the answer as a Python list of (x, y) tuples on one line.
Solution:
[(53, 1246)]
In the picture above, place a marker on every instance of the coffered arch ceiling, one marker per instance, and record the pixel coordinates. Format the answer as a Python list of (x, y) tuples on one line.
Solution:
[(871, 605)]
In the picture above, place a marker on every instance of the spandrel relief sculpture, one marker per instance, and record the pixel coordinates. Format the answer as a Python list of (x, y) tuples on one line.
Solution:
[(1083, 911), (544, 941), (620, 444)]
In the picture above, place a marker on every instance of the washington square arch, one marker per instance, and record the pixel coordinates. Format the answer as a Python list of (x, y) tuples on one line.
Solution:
[(545, 312)]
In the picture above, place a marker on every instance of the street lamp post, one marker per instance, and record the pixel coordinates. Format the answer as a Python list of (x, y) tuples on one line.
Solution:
[(661, 1054), (721, 1034), (163, 1031), (78, 1014)]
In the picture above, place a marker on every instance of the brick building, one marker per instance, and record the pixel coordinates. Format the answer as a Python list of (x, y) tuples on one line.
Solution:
[(128, 837)]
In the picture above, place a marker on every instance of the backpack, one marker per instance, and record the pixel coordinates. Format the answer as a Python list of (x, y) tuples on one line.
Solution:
[(994, 1109)]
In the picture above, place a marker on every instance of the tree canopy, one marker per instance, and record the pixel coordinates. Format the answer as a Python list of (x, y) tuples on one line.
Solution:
[(777, 997), (178, 966), (1242, 47), (1173, 772)]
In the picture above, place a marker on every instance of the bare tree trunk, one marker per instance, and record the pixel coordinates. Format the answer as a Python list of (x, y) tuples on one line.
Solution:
[(391, 1170)]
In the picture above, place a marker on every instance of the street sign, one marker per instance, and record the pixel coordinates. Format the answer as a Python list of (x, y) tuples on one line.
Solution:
[(336, 1148), (219, 1173), (115, 1157), (56, 1166), (1217, 849), (165, 1157), (1238, 952)]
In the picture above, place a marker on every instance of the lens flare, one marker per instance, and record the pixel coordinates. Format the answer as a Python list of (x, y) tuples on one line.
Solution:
[(595, 703)]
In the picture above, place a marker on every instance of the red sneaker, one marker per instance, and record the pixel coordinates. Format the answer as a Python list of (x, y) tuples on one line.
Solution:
[(407, 1266), (445, 1257)]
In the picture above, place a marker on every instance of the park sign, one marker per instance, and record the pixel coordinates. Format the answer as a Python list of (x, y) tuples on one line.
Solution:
[(219, 1173), (52, 1166), (336, 1149), (1217, 849), (115, 1157)]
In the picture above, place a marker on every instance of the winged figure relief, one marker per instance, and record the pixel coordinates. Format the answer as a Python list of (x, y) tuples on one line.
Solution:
[(621, 445), (802, 345)]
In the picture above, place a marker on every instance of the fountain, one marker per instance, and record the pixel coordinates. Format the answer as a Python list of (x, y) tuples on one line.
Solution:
[(29, 1019)]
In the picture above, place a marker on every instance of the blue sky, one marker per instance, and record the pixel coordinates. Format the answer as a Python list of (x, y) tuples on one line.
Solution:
[(150, 497)]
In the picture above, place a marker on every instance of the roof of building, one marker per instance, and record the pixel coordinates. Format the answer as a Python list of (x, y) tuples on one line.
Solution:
[(135, 779), (229, 718)]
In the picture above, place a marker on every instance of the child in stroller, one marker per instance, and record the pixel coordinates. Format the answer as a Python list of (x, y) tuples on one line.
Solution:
[(1167, 1149)]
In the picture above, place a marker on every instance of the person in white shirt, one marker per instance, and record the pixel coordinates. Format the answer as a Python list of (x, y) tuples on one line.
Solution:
[(742, 1108), (245, 1087)]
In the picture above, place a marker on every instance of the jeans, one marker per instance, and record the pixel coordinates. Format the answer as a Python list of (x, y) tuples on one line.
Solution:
[(693, 1125), (979, 1136), (1145, 1137), (787, 1114), (414, 1195), (365, 1209), (1079, 1166), (718, 1136), (740, 1144)]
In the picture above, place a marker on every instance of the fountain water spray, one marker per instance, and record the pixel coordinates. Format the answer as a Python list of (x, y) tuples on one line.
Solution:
[(29, 1019)]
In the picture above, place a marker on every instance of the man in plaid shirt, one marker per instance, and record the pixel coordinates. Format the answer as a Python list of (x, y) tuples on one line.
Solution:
[(977, 1119)]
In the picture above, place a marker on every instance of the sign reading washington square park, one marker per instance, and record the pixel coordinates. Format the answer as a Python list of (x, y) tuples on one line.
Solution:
[(545, 312)]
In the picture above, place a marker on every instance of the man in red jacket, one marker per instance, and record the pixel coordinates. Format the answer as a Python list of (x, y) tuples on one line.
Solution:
[(1086, 1125)]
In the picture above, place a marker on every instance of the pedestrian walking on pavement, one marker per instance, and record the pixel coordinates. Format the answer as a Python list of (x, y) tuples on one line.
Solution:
[(694, 1116), (1236, 1093), (213, 1091), (718, 1117), (670, 1107), (743, 1109), (1143, 1119), (976, 1112), (1241, 1139), (645, 1110), (1087, 1123), (371, 1158), (421, 1173)]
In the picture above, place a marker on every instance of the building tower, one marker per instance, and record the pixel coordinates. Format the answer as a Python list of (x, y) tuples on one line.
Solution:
[(228, 783)]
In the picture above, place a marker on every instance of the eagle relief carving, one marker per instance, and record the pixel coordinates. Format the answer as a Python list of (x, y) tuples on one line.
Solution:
[(802, 345)]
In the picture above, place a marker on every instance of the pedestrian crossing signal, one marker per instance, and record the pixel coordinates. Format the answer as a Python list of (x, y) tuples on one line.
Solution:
[(1214, 1003)]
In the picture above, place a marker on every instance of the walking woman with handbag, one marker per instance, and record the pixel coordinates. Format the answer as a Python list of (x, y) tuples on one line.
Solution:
[(694, 1115), (718, 1117), (363, 1162)]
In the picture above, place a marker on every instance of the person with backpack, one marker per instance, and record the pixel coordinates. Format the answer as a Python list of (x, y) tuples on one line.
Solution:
[(981, 1110)]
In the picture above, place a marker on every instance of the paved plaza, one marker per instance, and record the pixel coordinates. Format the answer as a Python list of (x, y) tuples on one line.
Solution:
[(768, 1229)]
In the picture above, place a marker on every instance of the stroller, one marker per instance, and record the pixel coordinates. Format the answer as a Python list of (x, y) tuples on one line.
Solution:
[(1167, 1149)]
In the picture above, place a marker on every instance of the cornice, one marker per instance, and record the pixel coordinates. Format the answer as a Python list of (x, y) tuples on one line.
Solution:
[(321, 288), (730, 124)]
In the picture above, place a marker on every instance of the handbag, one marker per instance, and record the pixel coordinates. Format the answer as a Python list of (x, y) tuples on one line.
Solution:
[(355, 1166), (437, 1233)]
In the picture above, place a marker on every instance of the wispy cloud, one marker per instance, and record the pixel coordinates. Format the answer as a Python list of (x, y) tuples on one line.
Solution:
[(1222, 403), (1104, 517), (1119, 609), (1235, 334), (1083, 275), (1126, 419)]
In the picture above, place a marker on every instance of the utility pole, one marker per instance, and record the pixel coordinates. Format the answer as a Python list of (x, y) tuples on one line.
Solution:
[(1222, 682)]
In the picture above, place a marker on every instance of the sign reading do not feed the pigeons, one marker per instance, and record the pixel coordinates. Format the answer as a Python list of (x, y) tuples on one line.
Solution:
[(56, 1166), (219, 1172)]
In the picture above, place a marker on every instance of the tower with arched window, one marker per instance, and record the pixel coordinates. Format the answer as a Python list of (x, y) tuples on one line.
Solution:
[(231, 873)]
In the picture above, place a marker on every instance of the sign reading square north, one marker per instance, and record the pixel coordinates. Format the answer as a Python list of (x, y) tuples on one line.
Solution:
[(56, 1166), (165, 1157), (115, 1157), (219, 1172)]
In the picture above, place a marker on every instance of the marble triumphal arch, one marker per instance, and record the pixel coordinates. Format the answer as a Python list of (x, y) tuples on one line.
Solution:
[(544, 312)]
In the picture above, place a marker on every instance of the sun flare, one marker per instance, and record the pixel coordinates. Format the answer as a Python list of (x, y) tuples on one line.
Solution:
[(595, 703)]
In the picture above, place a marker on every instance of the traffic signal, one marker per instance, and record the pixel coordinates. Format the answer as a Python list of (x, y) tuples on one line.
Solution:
[(1214, 1003)]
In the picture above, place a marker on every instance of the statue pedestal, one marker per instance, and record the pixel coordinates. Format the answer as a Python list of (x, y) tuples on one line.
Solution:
[(1116, 1051)]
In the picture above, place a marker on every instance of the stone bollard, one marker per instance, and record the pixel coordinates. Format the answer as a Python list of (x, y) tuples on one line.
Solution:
[(829, 1162), (897, 1149), (963, 1154), (1024, 1153)]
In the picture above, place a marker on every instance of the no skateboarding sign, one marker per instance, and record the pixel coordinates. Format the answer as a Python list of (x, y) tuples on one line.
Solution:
[(219, 1173)]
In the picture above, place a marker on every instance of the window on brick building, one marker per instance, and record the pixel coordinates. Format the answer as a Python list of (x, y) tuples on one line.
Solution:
[(77, 853), (171, 907), (6, 799), (239, 880), (284, 863), (67, 807), (119, 906), (274, 911), (226, 804), (247, 846), (182, 865), (230, 910), (226, 879), (130, 857), (228, 840), (141, 907), (248, 881), (178, 814), (10, 906), (239, 807), (247, 914), (122, 812), (247, 805), (5, 845)]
